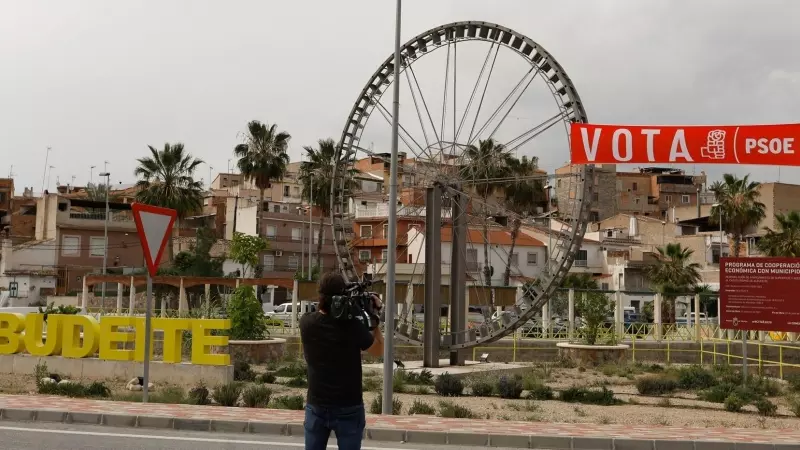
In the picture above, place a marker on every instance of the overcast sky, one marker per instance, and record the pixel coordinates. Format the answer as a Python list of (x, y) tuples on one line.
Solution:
[(100, 80)]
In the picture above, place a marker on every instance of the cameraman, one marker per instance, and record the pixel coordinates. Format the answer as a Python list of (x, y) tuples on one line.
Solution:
[(332, 349)]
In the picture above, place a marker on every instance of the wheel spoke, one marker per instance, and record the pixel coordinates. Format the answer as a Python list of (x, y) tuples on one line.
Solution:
[(505, 101), (475, 91), (444, 98)]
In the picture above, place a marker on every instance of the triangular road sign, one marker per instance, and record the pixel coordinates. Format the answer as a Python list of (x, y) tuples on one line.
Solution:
[(154, 225)]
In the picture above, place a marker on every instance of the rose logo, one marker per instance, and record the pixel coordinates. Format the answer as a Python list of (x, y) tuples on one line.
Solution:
[(716, 136)]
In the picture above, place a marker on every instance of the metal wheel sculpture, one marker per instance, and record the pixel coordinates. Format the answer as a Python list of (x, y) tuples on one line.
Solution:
[(449, 151)]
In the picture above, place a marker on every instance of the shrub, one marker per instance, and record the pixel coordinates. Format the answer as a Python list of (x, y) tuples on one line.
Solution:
[(228, 394), (509, 387), (422, 409), (198, 396), (764, 386), (256, 396), (453, 411), (293, 402), (293, 369), (376, 407), (399, 381), (695, 377), (765, 407), (604, 397), (793, 380), (297, 382), (447, 385), (370, 384), (481, 387), (794, 405), (734, 403), (656, 385), (168, 395), (424, 377), (266, 378), (595, 307), (40, 372), (747, 393), (243, 372), (718, 393), (246, 315), (540, 392)]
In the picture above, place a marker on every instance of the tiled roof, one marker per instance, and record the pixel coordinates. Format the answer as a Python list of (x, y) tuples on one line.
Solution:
[(499, 237)]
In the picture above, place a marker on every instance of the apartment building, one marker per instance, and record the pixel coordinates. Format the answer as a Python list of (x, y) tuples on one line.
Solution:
[(604, 196)]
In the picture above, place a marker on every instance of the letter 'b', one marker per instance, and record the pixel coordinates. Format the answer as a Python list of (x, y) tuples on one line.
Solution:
[(11, 325)]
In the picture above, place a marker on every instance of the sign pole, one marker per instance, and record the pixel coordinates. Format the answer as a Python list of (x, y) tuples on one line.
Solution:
[(744, 357), (147, 330)]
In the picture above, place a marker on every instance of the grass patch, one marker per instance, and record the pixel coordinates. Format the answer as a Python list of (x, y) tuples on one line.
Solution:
[(734, 403), (453, 411), (256, 396), (540, 392), (481, 387), (527, 406), (266, 378), (370, 384), (170, 394), (696, 377), (228, 394), (421, 409), (509, 387), (399, 382), (656, 385), (376, 407), (74, 389), (423, 377), (448, 385), (297, 382), (293, 369), (604, 397), (293, 402), (199, 395), (765, 407)]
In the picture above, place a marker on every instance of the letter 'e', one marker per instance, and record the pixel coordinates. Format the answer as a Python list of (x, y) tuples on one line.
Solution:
[(202, 340), (111, 338)]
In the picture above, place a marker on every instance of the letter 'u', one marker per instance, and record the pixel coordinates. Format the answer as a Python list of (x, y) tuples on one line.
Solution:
[(34, 327)]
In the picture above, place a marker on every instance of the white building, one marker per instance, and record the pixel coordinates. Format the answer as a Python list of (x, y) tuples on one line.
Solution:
[(26, 274), (527, 261)]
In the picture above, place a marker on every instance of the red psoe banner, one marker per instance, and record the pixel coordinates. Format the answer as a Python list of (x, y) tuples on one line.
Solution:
[(774, 145)]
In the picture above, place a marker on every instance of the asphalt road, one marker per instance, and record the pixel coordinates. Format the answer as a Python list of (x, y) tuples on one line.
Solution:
[(26, 436)]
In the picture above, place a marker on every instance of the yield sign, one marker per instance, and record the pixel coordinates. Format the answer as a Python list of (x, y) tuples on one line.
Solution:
[(154, 225)]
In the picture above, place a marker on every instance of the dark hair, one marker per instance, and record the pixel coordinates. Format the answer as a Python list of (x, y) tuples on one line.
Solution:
[(332, 283)]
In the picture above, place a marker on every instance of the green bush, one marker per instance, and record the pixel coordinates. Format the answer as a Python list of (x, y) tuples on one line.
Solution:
[(447, 385), (75, 389), (453, 411), (424, 377), (242, 371), (793, 380), (266, 378), (656, 385), (695, 377), (376, 407), (228, 394), (297, 382), (540, 392), (765, 407), (734, 403), (198, 396), (604, 397), (399, 381), (246, 315), (370, 384), (293, 402), (482, 387), (421, 409), (256, 396), (293, 369), (764, 386), (718, 393), (794, 405), (168, 395), (747, 393), (509, 387)]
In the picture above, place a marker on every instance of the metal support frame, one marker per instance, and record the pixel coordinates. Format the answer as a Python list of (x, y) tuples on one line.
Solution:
[(433, 276), (458, 280)]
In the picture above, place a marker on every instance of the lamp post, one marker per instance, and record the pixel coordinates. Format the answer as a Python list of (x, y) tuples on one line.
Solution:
[(547, 188), (300, 211), (105, 238), (310, 223)]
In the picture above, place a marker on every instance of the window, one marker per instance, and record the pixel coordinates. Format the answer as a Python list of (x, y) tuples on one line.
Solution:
[(636, 200), (276, 208), (384, 255), (71, 246), (97, 246), (386, 231), (610, 233), (635, 186), (668, 198), (316, 236), (286, 191), (595, 196), (269, 262), (514, 260), (297, 234), (581, 258), (604, 286), (594, 216), (558, 183), (364, 255), (295, 191), (533, 258), (294, 262), (366, 231), (472, 260), (685, 199), (271, 231)]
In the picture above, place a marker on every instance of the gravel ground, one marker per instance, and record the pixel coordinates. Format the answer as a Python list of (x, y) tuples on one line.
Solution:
[(682, 409)]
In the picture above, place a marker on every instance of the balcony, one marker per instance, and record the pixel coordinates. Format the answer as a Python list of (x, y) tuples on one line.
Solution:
[(118, 220), (382, 210)]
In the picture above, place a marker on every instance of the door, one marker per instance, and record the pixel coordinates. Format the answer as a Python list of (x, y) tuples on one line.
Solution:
[(269, 262)]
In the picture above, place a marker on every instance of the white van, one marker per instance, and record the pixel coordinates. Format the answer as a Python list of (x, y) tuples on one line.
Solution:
[(283, 312)]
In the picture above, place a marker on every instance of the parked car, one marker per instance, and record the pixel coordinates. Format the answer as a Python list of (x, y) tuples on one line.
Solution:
[(283, 313)]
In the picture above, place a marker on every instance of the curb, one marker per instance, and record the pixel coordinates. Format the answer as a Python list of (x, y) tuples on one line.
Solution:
[(380, 434)]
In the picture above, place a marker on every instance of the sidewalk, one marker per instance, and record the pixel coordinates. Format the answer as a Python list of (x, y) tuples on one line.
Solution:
[(416, 429)]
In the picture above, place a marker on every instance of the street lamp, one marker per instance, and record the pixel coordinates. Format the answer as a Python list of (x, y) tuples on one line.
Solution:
[(721, 236), (547, 188), (105, 236)]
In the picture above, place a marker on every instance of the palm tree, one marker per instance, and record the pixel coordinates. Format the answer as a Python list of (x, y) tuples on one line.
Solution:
[(737, 206), (674, 275), (485, 164), (786, 240), (166, 178), (97, 193), (318, 171), (523, 194), (708, 298), (263, 158)]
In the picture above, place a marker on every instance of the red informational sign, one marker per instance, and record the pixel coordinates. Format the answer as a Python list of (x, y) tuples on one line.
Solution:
[(154, 225), (760, 294), (774, 145)]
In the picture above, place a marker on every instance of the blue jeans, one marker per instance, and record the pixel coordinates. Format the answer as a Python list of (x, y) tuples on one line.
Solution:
[(348, 424)]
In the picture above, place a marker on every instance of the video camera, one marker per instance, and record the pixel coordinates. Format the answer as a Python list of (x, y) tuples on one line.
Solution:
[(356, 304)]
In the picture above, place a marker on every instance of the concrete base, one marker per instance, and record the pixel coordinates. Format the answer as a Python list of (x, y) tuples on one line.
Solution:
[(469, 368), (593, 355), (184, 374)]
